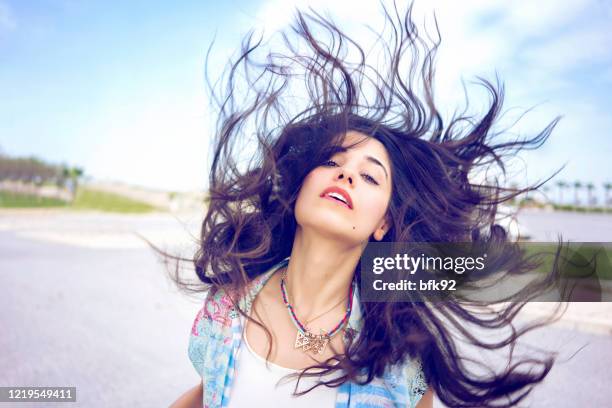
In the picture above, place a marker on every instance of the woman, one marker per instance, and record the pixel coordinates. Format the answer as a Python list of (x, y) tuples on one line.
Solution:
[(288, 221)]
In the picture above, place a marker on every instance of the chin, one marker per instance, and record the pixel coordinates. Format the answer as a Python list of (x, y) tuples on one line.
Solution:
[(339, 230)]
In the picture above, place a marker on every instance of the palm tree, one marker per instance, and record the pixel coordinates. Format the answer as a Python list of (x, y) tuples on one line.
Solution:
[(577, 186), (590, 187), (546, 189), (561, 184), (72, 174), (607, 187)]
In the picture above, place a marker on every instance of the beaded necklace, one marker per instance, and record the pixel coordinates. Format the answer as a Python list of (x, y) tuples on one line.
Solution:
[(306, 340)]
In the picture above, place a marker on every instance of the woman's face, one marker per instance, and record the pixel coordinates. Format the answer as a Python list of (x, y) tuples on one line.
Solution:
[(363, 175)]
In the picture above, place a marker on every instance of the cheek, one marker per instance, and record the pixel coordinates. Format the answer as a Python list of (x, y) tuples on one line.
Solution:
[(374, 206), (310, 186), (308, 183)]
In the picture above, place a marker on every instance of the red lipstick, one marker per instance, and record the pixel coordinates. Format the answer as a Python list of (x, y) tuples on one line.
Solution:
[(339, 194)]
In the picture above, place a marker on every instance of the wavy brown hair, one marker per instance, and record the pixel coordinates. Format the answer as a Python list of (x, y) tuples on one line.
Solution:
[(267, 140)]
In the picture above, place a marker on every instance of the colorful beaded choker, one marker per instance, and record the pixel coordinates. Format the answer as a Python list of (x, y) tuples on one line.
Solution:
[(304, 338)]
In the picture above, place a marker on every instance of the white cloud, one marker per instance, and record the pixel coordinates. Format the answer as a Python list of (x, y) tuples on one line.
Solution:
[(470, 45), (527, 18), (546, 34), (276, 14), (159, 145), (574, 48)]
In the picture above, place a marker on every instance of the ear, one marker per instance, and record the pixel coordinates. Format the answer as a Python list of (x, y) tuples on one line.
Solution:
[(382, 229)]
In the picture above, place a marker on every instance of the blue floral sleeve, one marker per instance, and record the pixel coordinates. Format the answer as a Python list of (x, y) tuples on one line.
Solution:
[(417, 385), (196, 349)]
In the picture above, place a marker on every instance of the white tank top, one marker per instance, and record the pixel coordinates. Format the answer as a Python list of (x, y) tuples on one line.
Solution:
[(255, 384)]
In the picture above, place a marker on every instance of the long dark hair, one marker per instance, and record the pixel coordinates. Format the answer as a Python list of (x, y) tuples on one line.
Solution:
[(267, 140)]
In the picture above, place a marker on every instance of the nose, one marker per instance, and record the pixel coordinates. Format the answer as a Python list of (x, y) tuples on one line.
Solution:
[(345, 174)]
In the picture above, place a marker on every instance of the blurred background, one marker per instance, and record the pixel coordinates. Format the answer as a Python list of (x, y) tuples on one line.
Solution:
[(105, 130)]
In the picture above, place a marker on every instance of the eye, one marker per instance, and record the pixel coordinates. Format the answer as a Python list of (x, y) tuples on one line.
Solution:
[(325, 163), (370, 178)]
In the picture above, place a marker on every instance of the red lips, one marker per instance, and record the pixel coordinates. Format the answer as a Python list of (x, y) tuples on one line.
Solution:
[(338, 190)]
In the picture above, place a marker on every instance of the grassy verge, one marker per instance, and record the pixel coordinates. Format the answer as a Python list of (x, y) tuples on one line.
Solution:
[(98, 200), (564, 207), (580, 256), (86, 199), (11, 200), (582, 209)]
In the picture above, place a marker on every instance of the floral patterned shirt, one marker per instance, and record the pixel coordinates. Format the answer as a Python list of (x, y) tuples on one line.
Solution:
[(216, 338)]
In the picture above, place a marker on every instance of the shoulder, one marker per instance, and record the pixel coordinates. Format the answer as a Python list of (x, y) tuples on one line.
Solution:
[(402, 384), (415, 378), (406, 381), (212, 328), (212, 321), (216, 308)]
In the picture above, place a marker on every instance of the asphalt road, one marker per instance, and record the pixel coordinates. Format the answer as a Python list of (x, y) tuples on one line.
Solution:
[(109, 322), (105, 321)]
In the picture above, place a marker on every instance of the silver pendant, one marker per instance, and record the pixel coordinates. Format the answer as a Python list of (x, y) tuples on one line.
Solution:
[(315, 343)]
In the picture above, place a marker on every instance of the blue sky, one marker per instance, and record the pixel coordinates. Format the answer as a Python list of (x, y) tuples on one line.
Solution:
[(117, 87)]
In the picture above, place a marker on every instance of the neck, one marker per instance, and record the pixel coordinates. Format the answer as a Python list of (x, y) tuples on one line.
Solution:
[(319, 273)]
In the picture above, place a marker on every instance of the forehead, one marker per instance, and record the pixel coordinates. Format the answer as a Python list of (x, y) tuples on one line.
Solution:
[(360, 142)]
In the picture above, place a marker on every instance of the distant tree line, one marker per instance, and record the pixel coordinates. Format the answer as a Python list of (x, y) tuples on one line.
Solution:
[(32, 170), (577, 193), (579, 187)]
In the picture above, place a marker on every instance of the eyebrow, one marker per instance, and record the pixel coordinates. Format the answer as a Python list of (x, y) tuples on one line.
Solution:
[(342, 149)]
